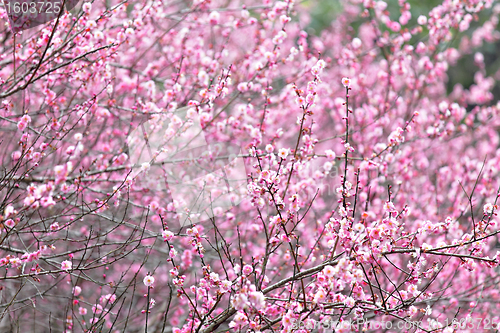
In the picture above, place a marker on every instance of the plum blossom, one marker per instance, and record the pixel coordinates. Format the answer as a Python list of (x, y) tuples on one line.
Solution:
[(167, 235), (77, 290), (422, 20), (376, 183), (320, 295), (247, 269), (214, 17), (488, 208), (280, 37), (346, 82), (10, 223), (329, 271), (66, 265), (257, 299), (16, 155), (225, 286), (356, 43), (148, 280), (239, 301), (412, 311), (87, 6), (330, 154), (283, 152), (23, 123), (389, 207), (97, 309), (349, 302)]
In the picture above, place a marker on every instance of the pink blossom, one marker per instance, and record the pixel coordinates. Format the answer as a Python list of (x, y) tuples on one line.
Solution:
[(214, 17), (66, 265), (257, 299), (225, 286), (167, 235), (280, 38), (10, 223), (394, 26), (329, 271), (412, 311), (346, 82), (284, 19), (16, 155), (109, 298), (107, 147), (77, 290), (21, 125), (330, 154), (405, 17), (87, 6), (319, 296), (239, 301), (316, 70), (97, 309), (247, 269), (349, 302), (422, 20)]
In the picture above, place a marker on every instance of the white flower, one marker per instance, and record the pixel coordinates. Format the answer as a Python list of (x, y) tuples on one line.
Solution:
[(152, 303), (329, 271), (356, 43), (239, 301), (488, 208), (283, 152), (350, 302), (145, 166), (149, 280), (426, 247), (257, 299), (346, 82)]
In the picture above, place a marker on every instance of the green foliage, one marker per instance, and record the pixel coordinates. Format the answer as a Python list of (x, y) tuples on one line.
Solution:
[(322, 13)]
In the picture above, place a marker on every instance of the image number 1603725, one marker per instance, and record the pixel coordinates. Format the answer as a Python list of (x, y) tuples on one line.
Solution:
[(32, 7), (26, 14)]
